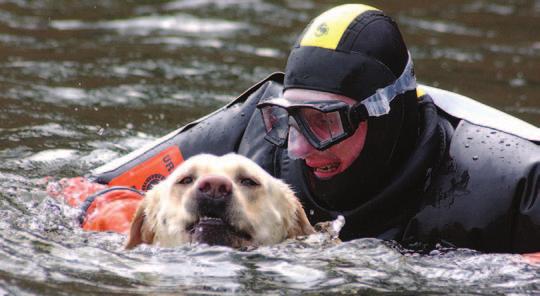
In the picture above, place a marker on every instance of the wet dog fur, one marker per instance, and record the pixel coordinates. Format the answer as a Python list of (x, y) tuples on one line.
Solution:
[(227, 200)]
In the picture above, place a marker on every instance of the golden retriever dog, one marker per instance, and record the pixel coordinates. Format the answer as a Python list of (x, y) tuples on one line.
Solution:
[(227, 200)]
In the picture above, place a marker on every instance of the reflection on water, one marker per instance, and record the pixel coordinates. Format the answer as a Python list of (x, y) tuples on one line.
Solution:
[(180, 23), (84, 82)]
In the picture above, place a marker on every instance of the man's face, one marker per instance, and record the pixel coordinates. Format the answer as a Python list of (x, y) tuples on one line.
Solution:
[(334, 160)]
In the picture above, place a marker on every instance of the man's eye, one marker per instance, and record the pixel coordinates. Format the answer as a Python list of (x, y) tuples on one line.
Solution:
[(186, 180), (248, 182)]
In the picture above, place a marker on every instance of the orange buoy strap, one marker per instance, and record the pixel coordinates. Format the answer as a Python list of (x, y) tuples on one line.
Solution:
[(90, 199)]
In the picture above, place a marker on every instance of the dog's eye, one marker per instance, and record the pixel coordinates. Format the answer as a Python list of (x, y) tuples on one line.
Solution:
[(248, 182), (186, 180)]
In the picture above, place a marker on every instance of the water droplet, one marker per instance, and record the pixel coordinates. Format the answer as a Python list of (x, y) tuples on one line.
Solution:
[(469, 138), (311, 212), (475, 157), (467, 145)]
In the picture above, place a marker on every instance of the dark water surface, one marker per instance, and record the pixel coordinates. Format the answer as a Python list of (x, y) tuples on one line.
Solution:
[(84, 82)]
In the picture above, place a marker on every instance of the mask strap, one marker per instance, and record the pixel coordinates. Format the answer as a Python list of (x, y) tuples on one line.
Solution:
[(378, 104)]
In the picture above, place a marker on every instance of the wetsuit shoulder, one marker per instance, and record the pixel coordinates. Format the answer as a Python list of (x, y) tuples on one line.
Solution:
[(484, 195)]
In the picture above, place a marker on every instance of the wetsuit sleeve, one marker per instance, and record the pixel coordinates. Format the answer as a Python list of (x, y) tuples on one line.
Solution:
[(218, 133)]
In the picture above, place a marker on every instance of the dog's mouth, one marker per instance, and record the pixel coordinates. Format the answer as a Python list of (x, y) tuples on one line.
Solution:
[(217, 231)]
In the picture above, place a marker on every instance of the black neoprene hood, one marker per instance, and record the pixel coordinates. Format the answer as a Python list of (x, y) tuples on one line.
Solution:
[(370, 54)]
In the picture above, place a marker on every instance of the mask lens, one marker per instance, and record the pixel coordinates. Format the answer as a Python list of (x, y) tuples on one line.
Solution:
[(297, 146), (276, 123), (324, 126)]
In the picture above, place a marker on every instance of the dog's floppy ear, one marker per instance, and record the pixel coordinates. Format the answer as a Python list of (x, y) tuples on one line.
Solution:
[(301, 224), (140, 231)]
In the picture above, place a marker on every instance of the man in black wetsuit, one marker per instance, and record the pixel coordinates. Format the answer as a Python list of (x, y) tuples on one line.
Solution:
[(352, 133)]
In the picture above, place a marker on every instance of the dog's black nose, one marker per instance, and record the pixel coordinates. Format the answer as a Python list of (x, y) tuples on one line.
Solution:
[(215, 186)]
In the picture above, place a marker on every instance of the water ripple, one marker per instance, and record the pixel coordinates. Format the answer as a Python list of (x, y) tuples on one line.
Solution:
[(143, 25), (441, 27), (312, 266)]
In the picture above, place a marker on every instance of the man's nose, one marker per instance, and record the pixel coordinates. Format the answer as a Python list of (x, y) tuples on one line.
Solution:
[(298, 146)]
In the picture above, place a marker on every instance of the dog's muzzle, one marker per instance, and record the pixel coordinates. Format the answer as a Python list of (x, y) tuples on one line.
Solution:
[(212, 201)]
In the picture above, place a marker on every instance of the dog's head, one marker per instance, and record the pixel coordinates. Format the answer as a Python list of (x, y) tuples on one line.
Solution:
[(226, 200)]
